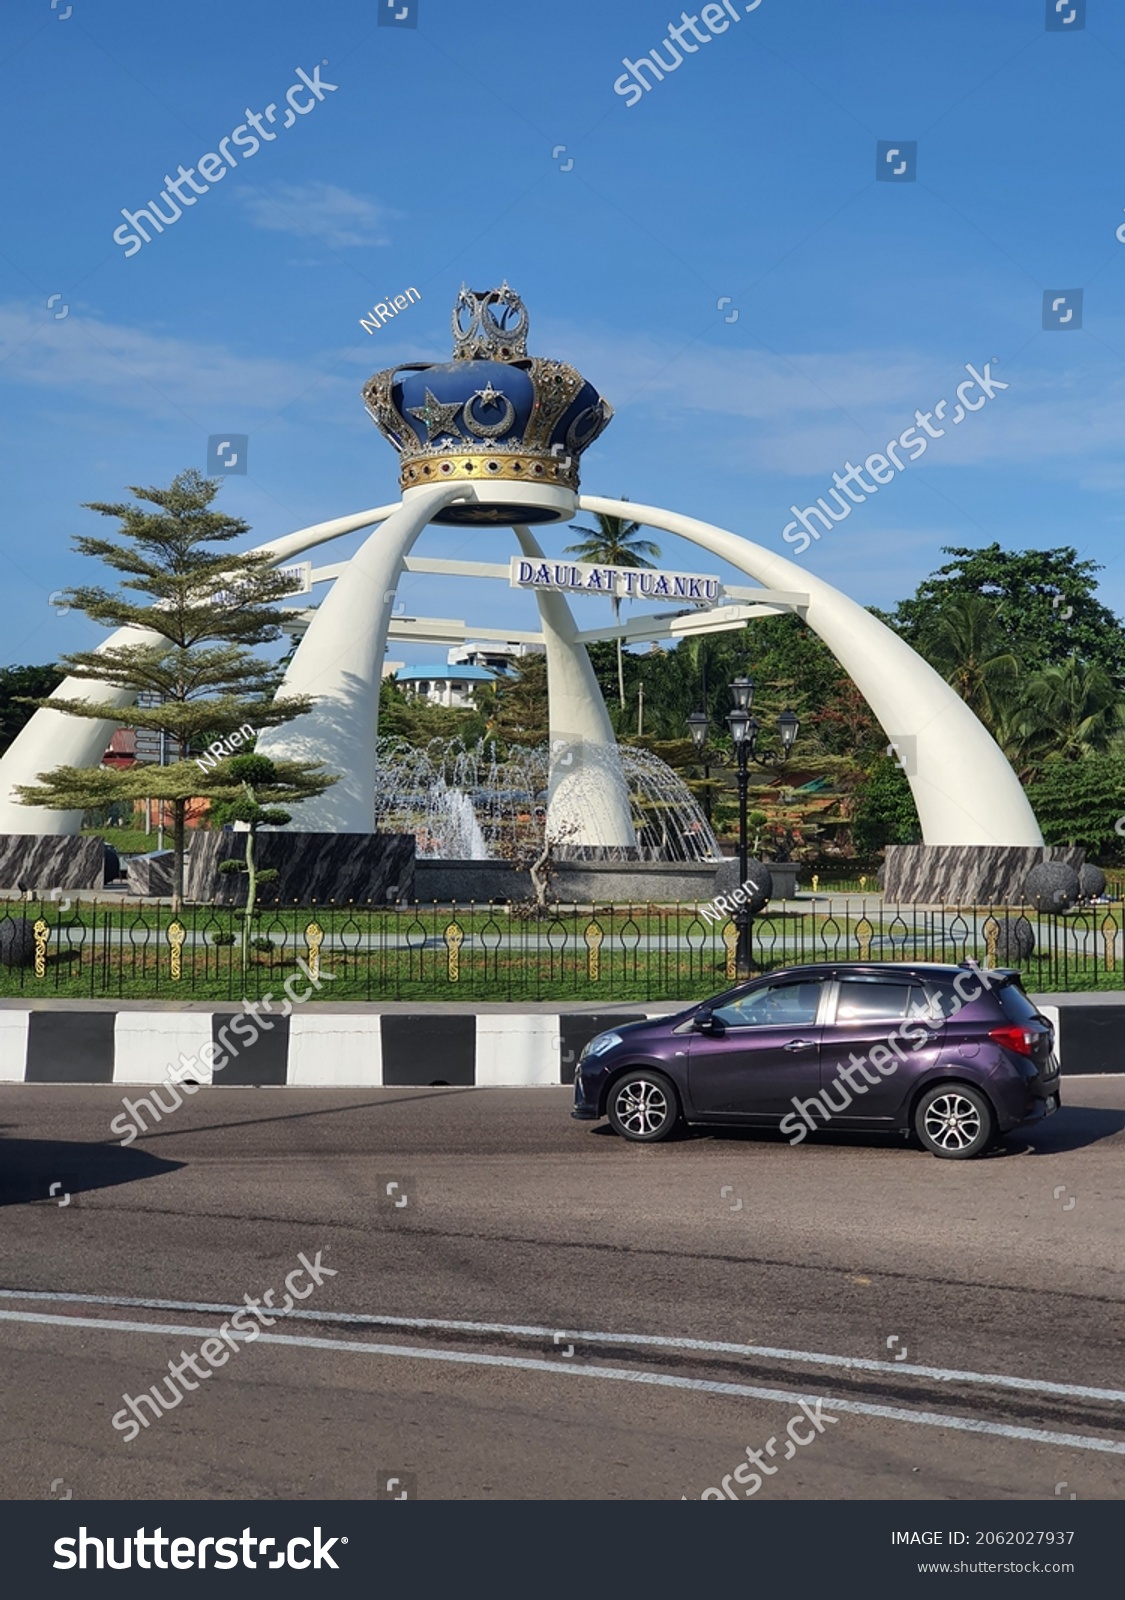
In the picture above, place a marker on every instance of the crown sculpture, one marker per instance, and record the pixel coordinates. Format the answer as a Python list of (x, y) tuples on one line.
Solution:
[(492, 414)]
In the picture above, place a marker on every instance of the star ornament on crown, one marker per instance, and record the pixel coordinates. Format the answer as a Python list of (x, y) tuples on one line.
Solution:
[(491, 413)]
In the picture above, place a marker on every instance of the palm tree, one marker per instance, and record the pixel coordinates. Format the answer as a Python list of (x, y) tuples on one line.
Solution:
[(1080, 702), (1062, 712), (965, 644), (614, 543)]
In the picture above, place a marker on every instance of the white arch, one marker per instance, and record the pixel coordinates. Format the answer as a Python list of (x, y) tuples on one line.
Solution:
[(52, 739), (339, 662), (587, 797), (964, 789)]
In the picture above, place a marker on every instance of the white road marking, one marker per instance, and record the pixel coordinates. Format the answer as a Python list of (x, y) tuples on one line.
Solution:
[(745, 1391), (811, 1358)]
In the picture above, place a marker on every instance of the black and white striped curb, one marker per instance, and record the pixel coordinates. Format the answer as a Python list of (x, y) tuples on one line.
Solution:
[(369, 1048), (311, 1048)]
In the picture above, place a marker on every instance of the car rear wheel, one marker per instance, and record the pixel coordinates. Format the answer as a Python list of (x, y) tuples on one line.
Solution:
[(643, 1107), (954, 1122)]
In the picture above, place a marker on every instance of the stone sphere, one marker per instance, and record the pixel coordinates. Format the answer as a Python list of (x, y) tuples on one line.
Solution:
[(17, 942), (1091, 882), (759, 886), (1015, 941), (1051, 886)]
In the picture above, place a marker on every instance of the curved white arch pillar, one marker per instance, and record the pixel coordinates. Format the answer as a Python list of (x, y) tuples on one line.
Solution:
[(964, 789), (339, 662), (52, 739), (587, 796)]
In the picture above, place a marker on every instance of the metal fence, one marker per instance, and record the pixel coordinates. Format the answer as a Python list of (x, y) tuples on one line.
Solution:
[(490, 952)]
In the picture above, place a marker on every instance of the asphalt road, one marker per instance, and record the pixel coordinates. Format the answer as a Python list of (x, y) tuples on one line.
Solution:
[(861, 1273)]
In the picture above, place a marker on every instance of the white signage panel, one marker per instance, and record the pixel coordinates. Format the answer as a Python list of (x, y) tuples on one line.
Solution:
[(626, 583)]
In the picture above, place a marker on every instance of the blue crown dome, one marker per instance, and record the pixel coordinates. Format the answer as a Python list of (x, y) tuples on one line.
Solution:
[(492, 413)]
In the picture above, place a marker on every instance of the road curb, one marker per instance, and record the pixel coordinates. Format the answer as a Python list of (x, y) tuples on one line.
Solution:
[(367, 1047)]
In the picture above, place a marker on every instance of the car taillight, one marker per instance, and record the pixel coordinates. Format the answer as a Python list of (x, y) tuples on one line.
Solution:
[(1021, 1040)]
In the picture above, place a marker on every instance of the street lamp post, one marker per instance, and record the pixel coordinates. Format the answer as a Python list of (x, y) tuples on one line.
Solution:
[(744, 730), (697, 725)]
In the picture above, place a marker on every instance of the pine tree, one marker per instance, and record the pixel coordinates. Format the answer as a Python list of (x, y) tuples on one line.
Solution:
[(197, 609)]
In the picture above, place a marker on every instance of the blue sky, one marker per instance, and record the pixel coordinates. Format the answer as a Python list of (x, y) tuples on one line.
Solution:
[(748, 173)]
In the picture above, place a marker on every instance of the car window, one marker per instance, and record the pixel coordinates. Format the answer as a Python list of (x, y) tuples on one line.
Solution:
[(1016, 1006), (949, 1001), (793, 1005), (864, 1001)]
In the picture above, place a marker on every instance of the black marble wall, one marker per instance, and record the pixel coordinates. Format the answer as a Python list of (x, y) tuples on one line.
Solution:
[(151, 874), (362, 867), (53, 861), (965, 874)]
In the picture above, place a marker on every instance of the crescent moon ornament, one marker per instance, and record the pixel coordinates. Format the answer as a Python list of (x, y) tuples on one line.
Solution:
[(488, 430)]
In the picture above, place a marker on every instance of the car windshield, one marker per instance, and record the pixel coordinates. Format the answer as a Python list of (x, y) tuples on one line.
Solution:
[(782, 1004)]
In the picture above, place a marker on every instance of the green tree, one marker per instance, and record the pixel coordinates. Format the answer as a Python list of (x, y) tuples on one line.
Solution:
[(21, 689), (884, 811), (1044, 603), (1081, 802), (418, 720), (615, 542), (206, 607), (249, 783), (521, 714), (964, 641)]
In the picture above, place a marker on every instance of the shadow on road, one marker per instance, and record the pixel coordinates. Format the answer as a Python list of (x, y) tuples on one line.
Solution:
[(51, 1170), (1071, 1128)]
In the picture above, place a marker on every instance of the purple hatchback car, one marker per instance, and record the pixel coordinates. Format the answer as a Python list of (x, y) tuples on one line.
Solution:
[(956, 1056)]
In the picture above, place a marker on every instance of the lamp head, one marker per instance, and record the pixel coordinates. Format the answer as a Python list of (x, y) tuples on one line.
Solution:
[(697, 725), (742, 693)]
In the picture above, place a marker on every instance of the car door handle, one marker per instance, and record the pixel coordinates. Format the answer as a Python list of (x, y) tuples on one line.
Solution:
[(801, 1044)]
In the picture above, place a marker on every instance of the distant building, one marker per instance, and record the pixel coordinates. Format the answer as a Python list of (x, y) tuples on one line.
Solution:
[(443, 684), (495, 658)]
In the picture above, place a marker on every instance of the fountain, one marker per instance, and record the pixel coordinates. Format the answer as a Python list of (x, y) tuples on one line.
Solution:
[(477, 817), (465, 802)]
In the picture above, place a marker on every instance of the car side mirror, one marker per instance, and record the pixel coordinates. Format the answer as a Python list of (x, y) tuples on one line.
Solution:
[(707, 1022)]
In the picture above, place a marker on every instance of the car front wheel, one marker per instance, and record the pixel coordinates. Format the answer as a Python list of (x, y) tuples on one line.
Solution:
[(954, 1122), (643, 1107)]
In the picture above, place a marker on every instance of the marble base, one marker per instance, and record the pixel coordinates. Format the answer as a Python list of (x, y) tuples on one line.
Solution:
[(150, 874), (576, 882), (52, 861), (367, 868), (955, 874)]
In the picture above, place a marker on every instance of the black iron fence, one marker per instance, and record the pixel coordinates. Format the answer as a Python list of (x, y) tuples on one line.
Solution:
[(490, 952)]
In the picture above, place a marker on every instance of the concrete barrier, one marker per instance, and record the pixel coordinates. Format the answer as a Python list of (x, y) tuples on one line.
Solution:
[(340, 1046)]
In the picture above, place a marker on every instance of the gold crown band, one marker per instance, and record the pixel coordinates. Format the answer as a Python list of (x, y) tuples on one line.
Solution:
[(562, 470)]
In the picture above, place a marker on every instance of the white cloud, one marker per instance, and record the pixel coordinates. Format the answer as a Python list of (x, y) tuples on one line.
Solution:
[(804, 414), (321, 211), (90, 359)]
